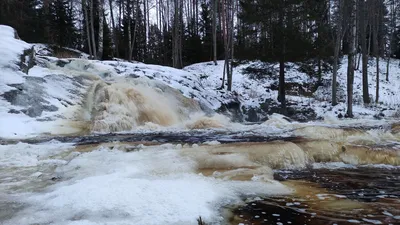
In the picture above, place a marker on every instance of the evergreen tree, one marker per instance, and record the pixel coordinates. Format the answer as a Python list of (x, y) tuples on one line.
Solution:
[(62, 28), (206, 32)]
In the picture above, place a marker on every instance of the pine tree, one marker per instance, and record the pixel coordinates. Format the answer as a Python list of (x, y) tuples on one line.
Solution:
[(62, 25)]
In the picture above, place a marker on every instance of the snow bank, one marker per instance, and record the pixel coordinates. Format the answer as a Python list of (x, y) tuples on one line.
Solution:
[(34, 103), (10, 48), (10, 51)]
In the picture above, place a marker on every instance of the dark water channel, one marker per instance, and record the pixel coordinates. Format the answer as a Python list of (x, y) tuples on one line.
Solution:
[(364, 195)]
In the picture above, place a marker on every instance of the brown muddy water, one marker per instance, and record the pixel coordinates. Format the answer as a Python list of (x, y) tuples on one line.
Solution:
[(364, 195)]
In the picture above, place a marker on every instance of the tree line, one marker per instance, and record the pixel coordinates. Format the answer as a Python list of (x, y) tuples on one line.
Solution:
[(315, 33)]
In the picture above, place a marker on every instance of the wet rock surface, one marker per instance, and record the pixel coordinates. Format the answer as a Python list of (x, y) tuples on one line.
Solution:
[(293, 111), (27, 60)]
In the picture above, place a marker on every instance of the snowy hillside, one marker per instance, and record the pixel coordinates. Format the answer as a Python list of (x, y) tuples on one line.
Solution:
[(256, 85), (79, 96)]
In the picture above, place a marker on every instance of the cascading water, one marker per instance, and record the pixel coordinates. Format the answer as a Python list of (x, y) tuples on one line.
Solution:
[(115, 103), (123, 104)]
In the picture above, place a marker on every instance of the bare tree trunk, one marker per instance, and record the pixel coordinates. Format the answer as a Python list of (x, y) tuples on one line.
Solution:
[(356, 31), (84, 7), (370, 37), (358, 61), (101, 29), (147, 19), (214, 34), (46, 7), (281, 91), (114, 31), (181, 33), (231, 30), (135, 27), (376, 47), (350, 67), (364, 51), (130, 41), (177, 34), (338, 41), (391, 39), (223, 76), (92, 30), (225, 34), (197, 17)]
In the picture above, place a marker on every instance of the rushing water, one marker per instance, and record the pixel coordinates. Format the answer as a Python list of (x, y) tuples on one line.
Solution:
[(335, 176)]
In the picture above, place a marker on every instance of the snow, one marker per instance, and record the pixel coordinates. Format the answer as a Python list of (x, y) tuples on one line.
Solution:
[(389, 100), (252, 92), (27, 155), (155, 185), (10, 50), (55, 88), (48, 50)]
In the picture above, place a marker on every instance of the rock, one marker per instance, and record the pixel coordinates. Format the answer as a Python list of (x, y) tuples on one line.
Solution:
[(340, 116), (379, 116), (31, 96), (14, 111), (62, 63), (51, 108), (33, 111), (252, 115), (232, 109), (16, 36), (27, 60)]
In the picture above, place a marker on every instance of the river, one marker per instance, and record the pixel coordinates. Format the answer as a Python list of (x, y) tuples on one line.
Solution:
[(302, 174)]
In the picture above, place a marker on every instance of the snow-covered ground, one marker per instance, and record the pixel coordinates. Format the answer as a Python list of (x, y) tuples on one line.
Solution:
[(253, 92)]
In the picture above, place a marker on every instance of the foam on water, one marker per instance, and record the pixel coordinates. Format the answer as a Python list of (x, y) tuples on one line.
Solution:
[(154, 185)]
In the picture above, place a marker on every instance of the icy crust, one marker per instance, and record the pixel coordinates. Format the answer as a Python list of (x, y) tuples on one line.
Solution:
[(28, 155), (155, 185), (341, 165)]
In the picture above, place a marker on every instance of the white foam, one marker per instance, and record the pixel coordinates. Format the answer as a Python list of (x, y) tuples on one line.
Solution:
[(156, 185), (27, 155)]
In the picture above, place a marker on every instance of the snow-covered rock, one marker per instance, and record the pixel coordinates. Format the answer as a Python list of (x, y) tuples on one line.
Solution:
[(35, 102)]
